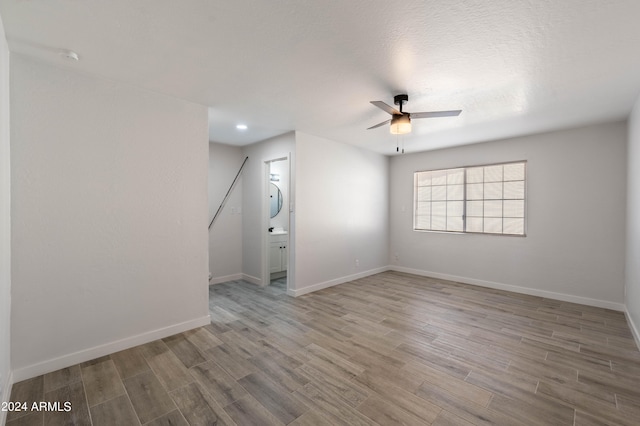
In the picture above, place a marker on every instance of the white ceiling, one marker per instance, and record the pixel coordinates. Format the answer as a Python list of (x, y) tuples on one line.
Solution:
[(513, 66)]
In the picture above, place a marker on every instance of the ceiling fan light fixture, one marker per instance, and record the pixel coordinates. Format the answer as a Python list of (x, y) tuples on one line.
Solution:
[(400, 124)]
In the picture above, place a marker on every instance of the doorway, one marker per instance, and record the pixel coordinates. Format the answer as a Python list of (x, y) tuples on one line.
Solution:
[(277, 178)]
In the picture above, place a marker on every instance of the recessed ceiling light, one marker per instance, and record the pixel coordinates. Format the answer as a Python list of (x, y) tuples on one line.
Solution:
[(241, 126), (70, 55)]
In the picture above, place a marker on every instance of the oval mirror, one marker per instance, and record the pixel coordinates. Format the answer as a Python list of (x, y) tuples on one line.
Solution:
[(276, 199)]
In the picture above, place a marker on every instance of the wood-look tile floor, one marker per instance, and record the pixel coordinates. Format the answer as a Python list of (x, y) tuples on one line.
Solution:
[(388, 349)]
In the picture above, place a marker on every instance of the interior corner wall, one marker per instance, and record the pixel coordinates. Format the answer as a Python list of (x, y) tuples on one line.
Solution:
[(342, 213), (225, 235), (254, 229), (576, 197), (109, 200), (5, 226), (632, 273)]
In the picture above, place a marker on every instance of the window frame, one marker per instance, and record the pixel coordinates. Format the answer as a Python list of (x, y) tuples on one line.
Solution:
[(465, 200)]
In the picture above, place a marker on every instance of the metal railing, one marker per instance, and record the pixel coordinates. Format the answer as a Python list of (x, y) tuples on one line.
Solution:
[(226, 197)]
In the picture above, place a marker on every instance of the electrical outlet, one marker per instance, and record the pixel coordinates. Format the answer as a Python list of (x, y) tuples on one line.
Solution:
[(396, 257), (357, 263)]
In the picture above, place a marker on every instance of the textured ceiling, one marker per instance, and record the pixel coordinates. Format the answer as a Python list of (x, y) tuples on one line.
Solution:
[(513, 66)]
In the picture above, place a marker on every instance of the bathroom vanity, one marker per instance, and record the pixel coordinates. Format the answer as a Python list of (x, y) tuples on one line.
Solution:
[(278, 254)]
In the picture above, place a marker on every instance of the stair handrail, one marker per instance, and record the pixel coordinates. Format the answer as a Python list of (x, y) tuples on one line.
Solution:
[(224, 201)]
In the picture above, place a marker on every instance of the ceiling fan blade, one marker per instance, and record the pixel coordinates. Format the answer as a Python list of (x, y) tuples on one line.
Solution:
[(435, 114), (388, 108), (379, 124)]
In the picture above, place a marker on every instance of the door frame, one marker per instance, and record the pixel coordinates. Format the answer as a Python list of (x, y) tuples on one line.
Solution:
[(266, 218)]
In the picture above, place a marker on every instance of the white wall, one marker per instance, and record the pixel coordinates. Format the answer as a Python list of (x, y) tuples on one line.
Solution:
[(632, 279), (254, 225), (109, 200), (5, 226), (576, 190), (342, 213), (225, 236)]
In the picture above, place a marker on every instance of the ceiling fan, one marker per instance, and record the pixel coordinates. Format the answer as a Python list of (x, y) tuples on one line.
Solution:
[(401, 121)]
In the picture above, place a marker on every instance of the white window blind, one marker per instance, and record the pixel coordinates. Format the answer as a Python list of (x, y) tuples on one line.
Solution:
[(482, 199)]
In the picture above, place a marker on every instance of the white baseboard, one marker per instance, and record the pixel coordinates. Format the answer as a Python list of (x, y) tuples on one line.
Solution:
[(634, 329), (6, 394), (225, 278), (515, 289), (68, 360), (252, 279), (319, 286), (235, 277)]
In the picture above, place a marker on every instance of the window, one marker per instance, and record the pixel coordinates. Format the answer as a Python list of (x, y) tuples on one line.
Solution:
[(481, 199)]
